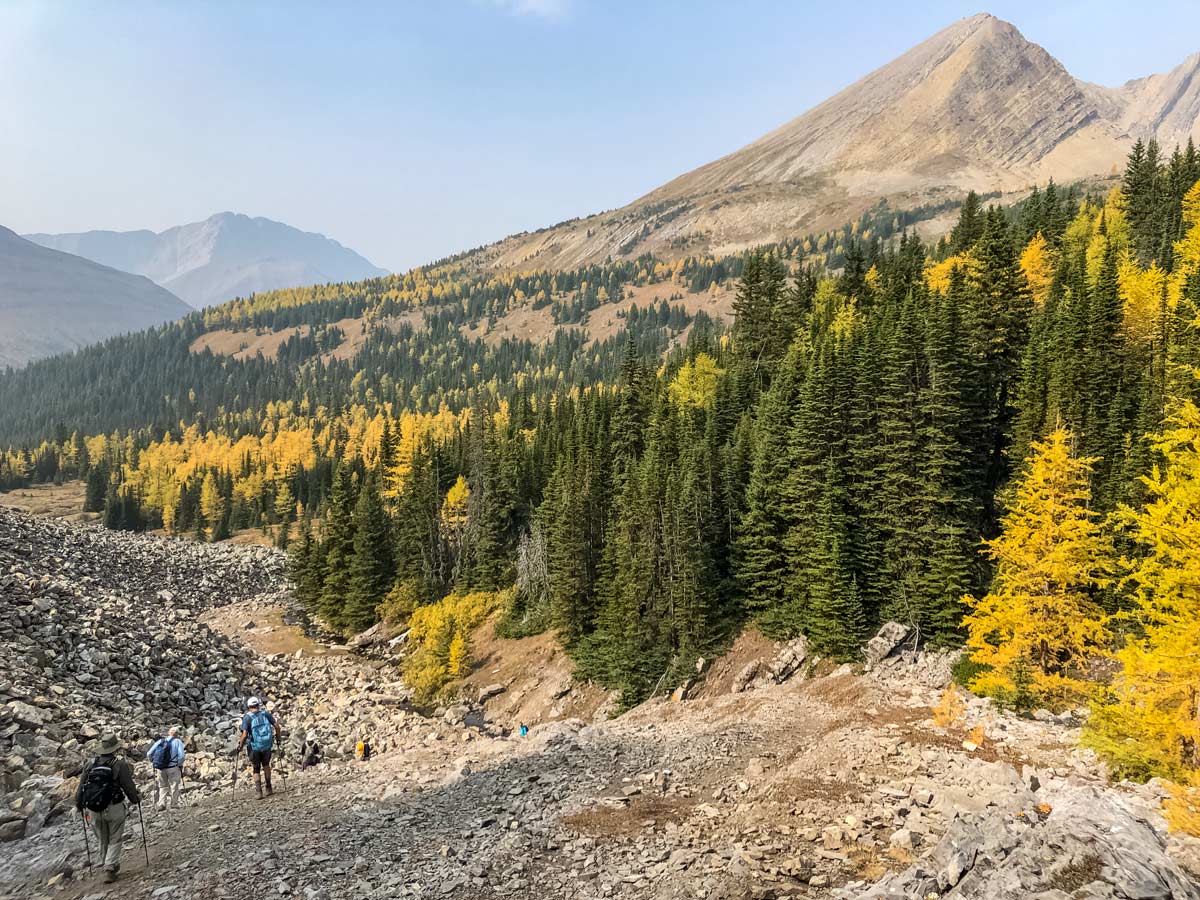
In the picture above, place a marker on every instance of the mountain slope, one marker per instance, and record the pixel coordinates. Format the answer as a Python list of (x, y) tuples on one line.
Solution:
[(52, 302), (976, 106), (227, 255)]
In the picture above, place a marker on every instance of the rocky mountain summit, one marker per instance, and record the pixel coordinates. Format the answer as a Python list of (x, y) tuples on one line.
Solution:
[(801, 780), (976, 106), (227, 255)]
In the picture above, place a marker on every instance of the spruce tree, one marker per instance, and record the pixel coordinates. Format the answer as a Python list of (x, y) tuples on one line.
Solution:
[(372, 568), (339, 550)]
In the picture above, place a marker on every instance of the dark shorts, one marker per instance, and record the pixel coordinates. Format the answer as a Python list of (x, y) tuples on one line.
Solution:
[(258, 759)]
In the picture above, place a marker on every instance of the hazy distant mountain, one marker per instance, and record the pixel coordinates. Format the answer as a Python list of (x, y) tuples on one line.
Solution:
[(976, 106), (51, 302), (227, 255)]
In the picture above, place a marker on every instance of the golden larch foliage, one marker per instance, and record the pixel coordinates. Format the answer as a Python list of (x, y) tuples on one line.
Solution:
[(1182, 808), (435, 629), (1036, 627), (937, 275), (454, 507), (458, 658), (1142, 299), (1148, 722), (1037, 262), (695, 384), (950, 709)]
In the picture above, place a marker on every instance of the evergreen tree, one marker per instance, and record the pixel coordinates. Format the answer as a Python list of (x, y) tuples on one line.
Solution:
[(338, 547), (372, 568), (96, 490)]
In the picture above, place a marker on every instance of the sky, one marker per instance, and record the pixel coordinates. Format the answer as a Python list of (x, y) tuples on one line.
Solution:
[(409, 131)]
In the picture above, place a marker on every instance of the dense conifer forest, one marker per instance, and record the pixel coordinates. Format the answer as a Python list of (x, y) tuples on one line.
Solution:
[(882, 433)]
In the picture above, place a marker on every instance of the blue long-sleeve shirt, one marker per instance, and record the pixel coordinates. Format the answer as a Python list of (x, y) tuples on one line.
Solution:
[(177, 751)]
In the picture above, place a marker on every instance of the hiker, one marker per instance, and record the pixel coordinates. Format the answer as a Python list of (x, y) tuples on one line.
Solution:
[(524, 730), (260, 731), (166, 755), (311, 754), (105, 784), (363, 750)]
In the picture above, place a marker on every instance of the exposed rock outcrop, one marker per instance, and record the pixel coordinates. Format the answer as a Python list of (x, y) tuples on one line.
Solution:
[(1089, 844)]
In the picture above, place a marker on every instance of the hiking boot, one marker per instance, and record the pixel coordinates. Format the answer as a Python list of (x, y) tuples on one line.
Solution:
[(270, 790), (258, 794), (109, 876)]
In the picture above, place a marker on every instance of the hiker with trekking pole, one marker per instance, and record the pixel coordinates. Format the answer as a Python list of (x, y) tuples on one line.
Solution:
[(166, 755), (105, 785), (261, 732)]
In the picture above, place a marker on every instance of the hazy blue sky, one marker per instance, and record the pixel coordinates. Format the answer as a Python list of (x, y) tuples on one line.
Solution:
[(409, 131)]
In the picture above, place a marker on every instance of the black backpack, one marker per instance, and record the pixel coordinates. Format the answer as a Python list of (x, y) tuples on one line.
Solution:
[(100, 787)]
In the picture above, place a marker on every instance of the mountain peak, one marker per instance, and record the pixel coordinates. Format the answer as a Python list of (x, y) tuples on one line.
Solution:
[(227, 255), (976, 106)]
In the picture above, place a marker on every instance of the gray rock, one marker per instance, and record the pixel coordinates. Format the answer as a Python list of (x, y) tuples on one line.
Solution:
[(492, 690), (1092, 842), (12, 831), (886, 640)]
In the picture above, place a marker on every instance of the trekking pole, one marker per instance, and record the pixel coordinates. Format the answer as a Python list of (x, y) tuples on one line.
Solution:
[(145, 846), (236, 754), (87, 845)]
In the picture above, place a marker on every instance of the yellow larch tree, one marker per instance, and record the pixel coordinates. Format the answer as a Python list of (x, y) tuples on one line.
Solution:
[(937, 275), (1142, 293), (1037, 262), (1148, 722), (696, 382), (212, 504), (1035, 629)]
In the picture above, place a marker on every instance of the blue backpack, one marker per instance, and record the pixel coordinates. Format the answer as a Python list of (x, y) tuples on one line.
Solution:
[(262, 734), (160, 754)]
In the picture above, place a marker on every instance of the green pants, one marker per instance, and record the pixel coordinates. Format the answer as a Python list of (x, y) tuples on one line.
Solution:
[(109, 828)]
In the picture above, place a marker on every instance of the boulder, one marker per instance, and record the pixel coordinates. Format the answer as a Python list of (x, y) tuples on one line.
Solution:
[(890, 636), (492, 690), (1092, 844)]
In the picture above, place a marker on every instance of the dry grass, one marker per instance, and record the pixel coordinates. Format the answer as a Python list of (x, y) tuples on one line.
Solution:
[(632, 818), (797, 789), (1079, 873), (840, 692), (871, 865), (59, 501)]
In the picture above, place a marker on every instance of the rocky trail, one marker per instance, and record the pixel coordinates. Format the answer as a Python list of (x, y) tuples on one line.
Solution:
[(800, 780)]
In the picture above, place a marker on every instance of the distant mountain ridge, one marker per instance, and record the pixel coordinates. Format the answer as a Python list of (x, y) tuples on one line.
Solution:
[(53, 302), (974, 107), (227, 255)]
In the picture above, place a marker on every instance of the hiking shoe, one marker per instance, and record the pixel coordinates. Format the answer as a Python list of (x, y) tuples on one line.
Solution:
[(258, 794), (270, 790), (109, 876)]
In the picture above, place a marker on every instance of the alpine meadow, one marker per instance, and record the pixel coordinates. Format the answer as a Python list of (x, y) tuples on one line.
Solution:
[(674, 551)]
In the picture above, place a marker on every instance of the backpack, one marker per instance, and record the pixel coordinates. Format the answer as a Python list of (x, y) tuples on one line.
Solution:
[(100, 788), (262, 734), (161, 753)]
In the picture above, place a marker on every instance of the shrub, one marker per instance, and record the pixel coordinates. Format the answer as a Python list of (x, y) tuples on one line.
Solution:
[(1182, 809), (965, 670), (949, 711), (439, 642), (400, 603)]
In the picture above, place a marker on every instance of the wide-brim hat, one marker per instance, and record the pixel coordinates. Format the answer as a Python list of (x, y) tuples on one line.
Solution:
[(108, 744)]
